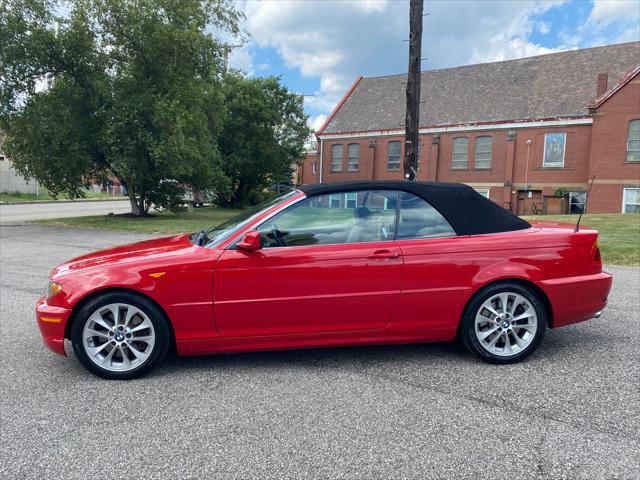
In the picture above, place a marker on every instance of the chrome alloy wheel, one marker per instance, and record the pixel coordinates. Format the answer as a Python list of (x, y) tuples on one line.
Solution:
[(506, 324), (118, 337)]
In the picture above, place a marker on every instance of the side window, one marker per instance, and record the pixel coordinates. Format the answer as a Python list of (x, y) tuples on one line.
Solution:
[(353, 162), (418, 219), (336, 158), (459, 153), (633, 141), (317, 221), (482, 159), (393, 155)]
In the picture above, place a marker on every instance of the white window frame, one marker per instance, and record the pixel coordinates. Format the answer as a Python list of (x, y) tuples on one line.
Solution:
[(353, 166), (399, 155), (624, 197), (351, 197), (335, 196), (483, 191), (454, 153), (334, 165), (476, 151), (544, 150), (629, 140), (313, 168)]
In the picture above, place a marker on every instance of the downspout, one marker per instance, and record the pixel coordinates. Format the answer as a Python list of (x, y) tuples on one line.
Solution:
[(526, 168), (321, 160)]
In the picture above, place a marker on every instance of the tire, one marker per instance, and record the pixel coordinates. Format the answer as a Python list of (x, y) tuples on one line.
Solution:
[(122, 351), (502, 336)]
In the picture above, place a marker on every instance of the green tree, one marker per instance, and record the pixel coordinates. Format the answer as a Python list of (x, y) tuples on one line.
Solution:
[(263, 135), (124, 88)]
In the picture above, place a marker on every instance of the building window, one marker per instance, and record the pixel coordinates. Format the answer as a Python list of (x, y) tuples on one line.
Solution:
[(460, 153), (631, 200), (633, 141), (576, 202), (554, 147), (350, 200), (353, 162), (336, 158), (483, 191), (418, 155), (313, 168), (482, 158), (334, 201), (393, 156)]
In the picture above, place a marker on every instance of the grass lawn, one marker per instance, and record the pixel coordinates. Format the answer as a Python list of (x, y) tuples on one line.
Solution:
[(16, 197), (163, 222), (619, 237), (619, 234)]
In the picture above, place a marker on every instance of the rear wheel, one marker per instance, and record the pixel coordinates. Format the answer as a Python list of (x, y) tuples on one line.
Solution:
[(504, 323), (120, 336)]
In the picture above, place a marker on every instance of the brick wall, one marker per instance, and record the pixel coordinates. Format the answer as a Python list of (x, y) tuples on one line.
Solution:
[(609, 148), (598, 149)]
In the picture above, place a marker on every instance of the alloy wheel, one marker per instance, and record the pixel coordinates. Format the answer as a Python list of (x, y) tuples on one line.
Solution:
[(118, 337), (506, 324)]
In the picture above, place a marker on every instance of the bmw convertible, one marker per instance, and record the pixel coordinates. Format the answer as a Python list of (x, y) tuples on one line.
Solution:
[(380, 262)]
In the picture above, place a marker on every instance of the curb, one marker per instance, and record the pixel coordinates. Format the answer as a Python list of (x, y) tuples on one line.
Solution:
[(79, 200)]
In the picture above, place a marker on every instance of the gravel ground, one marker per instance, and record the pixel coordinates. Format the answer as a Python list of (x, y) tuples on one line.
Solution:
[(419, 411)]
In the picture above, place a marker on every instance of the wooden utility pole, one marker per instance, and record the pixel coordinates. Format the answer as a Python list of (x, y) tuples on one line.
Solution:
[(412, 120)]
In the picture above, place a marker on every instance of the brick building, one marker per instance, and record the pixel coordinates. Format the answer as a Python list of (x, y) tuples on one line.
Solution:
[(517, 130)]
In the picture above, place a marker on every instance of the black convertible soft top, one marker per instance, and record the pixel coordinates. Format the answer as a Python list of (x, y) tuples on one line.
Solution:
[(468, 212)]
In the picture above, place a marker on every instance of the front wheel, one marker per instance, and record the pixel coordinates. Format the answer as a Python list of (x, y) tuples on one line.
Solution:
[(120, 336), (504, 323)]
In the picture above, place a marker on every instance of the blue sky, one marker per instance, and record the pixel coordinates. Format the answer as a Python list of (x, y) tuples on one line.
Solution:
[(319, 47)]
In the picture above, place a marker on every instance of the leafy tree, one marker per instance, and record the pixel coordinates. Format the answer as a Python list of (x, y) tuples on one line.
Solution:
[(263, 135), (124, 88)]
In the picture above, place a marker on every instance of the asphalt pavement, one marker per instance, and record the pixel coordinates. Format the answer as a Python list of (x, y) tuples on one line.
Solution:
[(415, 411), (26, 212)]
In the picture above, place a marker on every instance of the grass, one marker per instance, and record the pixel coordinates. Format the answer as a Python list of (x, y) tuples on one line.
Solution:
[(16, 197), (162, 222), (619, 237), (619, 234)]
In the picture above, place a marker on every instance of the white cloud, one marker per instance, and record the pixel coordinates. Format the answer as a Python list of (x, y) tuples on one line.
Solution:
[(316, 121), (335, 41), (606, 12), (543, 27)]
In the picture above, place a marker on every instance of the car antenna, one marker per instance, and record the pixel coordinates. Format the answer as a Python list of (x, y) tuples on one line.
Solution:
[(584, 210)]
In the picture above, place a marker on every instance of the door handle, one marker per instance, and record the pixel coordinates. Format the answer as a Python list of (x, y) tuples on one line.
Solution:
[(382, 254)]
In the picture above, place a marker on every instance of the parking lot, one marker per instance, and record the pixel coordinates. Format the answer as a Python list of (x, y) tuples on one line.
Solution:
[(417, 411)]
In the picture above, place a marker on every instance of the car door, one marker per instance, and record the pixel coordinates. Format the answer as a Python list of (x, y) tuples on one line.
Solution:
[(328, 263), (438, 268)]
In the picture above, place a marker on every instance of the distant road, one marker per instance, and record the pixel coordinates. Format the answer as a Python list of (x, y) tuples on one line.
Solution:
[(41, 211)]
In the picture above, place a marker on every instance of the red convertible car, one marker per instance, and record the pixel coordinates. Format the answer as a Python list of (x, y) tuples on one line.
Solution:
[(327, 265)]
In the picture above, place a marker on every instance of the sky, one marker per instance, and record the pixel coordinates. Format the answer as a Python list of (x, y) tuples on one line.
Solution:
[(319, 47)]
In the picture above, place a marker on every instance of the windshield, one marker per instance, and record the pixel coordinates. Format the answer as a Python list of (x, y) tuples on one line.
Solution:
[(211, 237)]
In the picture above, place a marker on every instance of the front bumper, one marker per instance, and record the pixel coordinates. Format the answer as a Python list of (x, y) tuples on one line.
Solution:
[(52, 322), (576, 299)]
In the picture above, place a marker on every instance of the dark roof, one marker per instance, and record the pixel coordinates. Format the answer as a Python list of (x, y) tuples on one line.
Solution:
[(468, 212), (546, 86)]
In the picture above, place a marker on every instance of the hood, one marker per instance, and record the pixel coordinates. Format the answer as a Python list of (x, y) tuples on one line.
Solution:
[(134, 252)]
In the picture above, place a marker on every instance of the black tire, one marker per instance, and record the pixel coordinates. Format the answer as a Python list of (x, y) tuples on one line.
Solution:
[(468, 327), (155, 315)]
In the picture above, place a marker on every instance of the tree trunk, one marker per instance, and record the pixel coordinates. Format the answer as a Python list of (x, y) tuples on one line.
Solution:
[(135, 206)]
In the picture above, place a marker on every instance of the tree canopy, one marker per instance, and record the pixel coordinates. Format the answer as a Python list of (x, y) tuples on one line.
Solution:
[(135, 89)]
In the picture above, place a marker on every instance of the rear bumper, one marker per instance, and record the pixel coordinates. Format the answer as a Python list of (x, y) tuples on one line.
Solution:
[(576, 299), (52, 322)]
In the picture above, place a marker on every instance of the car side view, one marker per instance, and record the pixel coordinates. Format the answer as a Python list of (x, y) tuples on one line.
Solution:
[(356, 263)]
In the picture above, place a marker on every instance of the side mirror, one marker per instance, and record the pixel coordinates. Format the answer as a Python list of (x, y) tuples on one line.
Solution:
[(250, 242)]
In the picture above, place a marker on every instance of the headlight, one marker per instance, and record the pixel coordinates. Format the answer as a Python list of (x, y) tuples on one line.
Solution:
[(52, 289)]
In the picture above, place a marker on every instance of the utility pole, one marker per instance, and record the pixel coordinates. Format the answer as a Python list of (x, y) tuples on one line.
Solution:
[(412, 120)]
